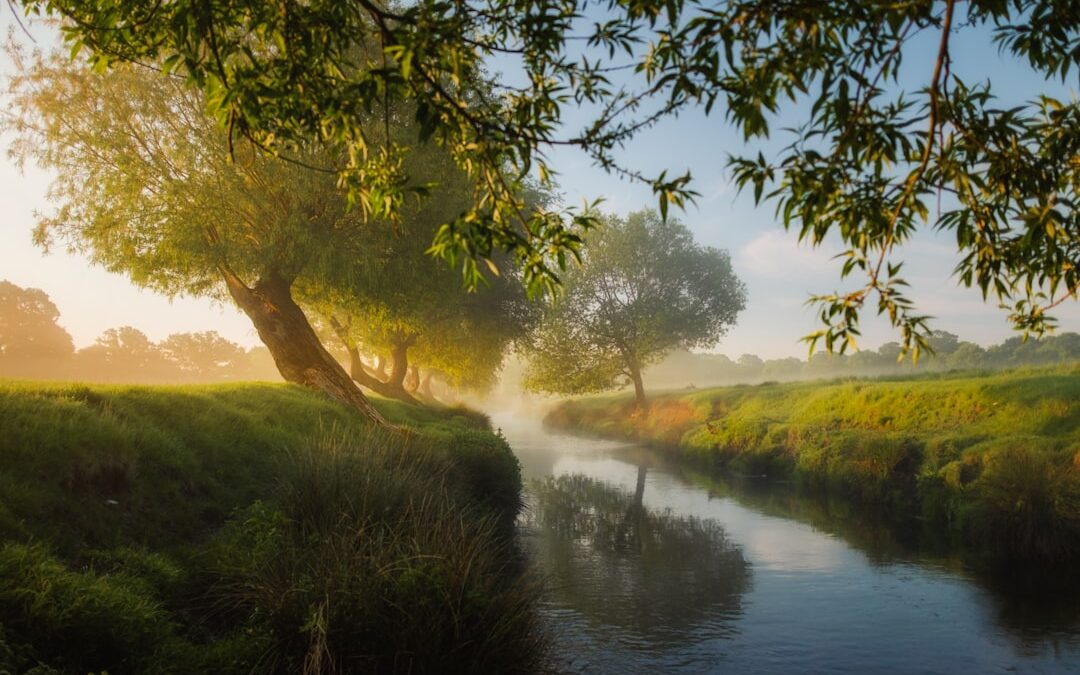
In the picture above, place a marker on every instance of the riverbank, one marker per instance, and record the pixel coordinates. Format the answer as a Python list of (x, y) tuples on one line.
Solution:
[(259, 527), (995, 460)]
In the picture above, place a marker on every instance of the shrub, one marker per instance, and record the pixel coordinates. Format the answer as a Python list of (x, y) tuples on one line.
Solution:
[(105, 622), (1026, 504)]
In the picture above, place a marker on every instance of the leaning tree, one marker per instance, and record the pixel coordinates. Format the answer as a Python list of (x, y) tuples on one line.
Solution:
[(147, 185), (645, 289), (414, 309)]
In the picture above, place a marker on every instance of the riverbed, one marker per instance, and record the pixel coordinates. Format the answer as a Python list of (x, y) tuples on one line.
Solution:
[(652, 568)]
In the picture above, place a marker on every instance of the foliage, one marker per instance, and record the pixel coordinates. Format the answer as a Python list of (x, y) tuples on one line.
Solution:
[(202, 529), (868, 154), (203, 354), (645, 288), (874, 152), (1027, 499), (394, 297), (390, 578), (28, 326), (145, 186), (993, 457), (103, 621)]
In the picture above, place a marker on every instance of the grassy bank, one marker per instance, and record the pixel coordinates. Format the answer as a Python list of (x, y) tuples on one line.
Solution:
[(253, 528), (996, 459)]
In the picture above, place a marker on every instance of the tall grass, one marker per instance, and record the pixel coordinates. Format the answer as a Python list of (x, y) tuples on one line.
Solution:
[(993, 457), (366, 563), (254, 528)]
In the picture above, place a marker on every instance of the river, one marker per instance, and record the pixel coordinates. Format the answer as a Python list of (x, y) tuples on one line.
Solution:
[(649, 568)]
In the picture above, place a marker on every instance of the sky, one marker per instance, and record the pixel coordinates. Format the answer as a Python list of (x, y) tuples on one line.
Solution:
[(779, 273)]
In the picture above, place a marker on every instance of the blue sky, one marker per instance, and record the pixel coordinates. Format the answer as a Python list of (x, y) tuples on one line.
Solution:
[(779, 273)]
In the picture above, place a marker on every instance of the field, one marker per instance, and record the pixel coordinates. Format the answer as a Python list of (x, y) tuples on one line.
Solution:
[(253, 527), (994, 458)]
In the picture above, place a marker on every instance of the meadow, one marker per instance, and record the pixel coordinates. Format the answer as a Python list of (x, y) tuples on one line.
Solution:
[(992, 458), (254, 528)]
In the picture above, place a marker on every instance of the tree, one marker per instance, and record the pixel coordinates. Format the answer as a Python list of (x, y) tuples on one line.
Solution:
[(123, 354), (870, 155), (204, 356), (415, 309), (892, 351), (644, 289), (147, 187), (966, 356), (943, 342), (787, 368), (31, 340), (750, 366)]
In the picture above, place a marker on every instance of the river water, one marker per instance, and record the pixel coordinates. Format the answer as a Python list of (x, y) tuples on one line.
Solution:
[(650, 568)]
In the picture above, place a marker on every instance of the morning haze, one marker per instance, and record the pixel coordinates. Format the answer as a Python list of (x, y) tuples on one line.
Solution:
[(506, 336)]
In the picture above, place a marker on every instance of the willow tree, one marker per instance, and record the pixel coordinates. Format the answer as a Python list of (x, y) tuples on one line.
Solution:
[(146, 185), (645, 289), (399, 302)]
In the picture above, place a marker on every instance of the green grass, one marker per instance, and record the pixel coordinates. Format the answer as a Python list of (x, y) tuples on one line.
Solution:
[(253, 528), (996, 458)]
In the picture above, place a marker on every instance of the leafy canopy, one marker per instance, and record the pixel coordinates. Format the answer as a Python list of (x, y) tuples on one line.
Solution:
[(865, 163), (395, 296), (144, 184), (646, 288)]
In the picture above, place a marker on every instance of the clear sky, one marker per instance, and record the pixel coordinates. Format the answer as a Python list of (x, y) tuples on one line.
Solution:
[(778, 273)]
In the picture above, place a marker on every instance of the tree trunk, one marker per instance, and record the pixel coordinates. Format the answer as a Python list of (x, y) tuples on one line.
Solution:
[(394, 387), (380, 367), (399, 352), (360, 373), (640, 402), (387, 389), (297, 352), (412, 380)]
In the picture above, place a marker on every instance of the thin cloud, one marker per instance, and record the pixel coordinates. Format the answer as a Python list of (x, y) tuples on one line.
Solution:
[(778, 255)]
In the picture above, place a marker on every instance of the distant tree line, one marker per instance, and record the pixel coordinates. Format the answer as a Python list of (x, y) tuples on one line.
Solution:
[(684, 368), (34, 345)]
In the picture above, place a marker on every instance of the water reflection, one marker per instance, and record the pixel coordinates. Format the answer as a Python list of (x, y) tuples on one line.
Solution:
[(649, 568), (1040, 609), (651, 573)]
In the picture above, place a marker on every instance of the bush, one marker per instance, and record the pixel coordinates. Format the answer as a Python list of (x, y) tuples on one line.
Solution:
[(1026, 504), (103, 622)]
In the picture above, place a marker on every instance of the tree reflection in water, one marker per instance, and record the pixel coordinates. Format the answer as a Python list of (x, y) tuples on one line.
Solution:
[(661, 577)]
